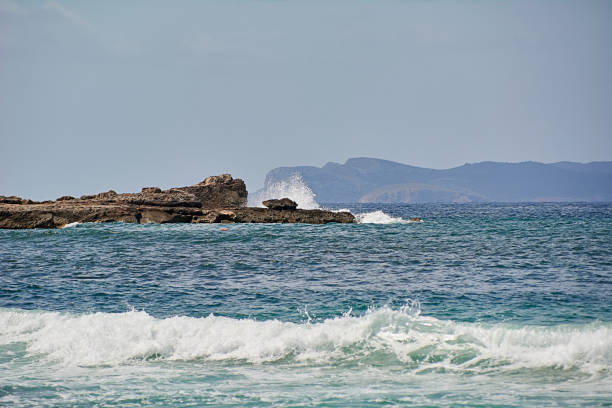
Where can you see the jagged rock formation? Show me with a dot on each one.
(12, 200)
(214, 192)
(218, 192)
(217, 199)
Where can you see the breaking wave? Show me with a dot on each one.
(296, 189)
(293, 188)
(378, 217)
(401, 336)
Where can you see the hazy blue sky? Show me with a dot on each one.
(124, 94)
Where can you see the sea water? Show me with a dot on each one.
(478, 305)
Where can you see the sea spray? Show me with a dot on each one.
(296, 189)
(292, 187)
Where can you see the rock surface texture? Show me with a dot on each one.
(282, 204)
(217, 199)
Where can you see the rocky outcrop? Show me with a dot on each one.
(59, 214)
(65, 198)
(214, 192)
(218, 192)
(282, 204)
(149, 190)
(218, 199)
(265, 215)
(10, 200)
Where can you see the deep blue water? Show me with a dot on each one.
(507, 304)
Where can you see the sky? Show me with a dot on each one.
(127, 94)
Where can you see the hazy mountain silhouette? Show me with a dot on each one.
(375, 180)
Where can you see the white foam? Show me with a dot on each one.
(378, 217)
(418, 341)
(293, 188)
(340, 210)
(72, 224)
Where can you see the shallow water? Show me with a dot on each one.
(479, 305)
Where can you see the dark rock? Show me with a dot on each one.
(221, 179)
(215, 216)
(110, 194)
(65, 198)
(10, 200)
(282, 204)
(162, 216)
(218, 199)
(168, 198)
(218, 192)
(214, 192)
(146, 190)
(266, 215)
(57, 214)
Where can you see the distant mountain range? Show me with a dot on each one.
(370, 180)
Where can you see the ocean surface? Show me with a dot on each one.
(506, 305)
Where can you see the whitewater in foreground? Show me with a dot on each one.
(402, 336)
(481, 305)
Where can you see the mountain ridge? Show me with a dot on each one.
(366, 179)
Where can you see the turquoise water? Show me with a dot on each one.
(479, 305)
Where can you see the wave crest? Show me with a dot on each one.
(419, 342)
